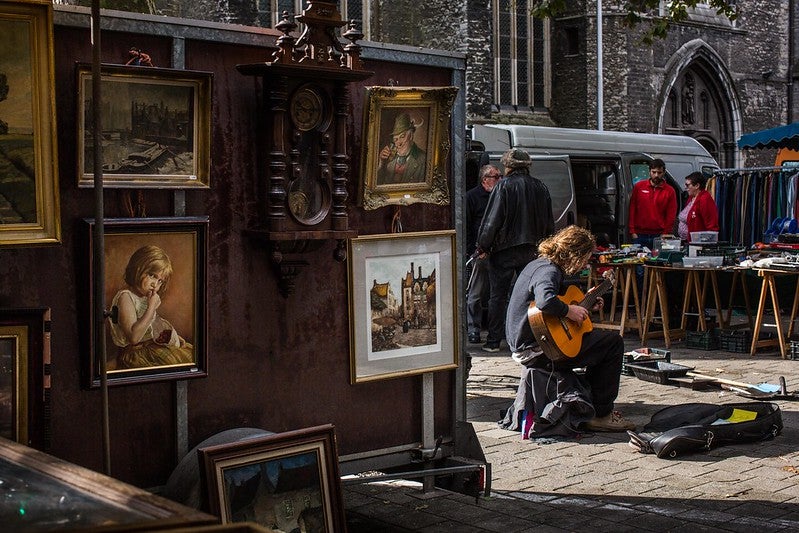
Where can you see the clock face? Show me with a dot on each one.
(307, 109)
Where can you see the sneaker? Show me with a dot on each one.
(474, 338)
(491, 346)
(612, 422)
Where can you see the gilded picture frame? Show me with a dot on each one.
(28, 143)
(25, 376)
(406, 145)
(156, 127)
(145, 258)
(403, 301)
(284, 481)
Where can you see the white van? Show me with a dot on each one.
(590, 174)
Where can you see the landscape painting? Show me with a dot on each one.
(284, 482)
(402, 302)
(155, 127)
(29, 211)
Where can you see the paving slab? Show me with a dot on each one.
(597, 482)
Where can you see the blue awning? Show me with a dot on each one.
(781, 137)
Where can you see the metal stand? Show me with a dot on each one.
(428, 430)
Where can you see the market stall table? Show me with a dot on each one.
(768, 288)
(695, 289)
(625, 286)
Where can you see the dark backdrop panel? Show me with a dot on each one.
(273, 363)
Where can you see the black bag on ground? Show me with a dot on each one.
(691, 427)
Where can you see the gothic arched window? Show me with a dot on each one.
(521, 56)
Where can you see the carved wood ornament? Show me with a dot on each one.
(303, 188)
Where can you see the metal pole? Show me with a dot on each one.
(179, 210)
(600, 89)
(98, 262)
(428, 427)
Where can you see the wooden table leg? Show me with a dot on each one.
(777, 322)
(728, 320)
(699, 293)
(746, 300)
(739, 275)
(637, 302)
(693, 292)
(794, 309)
(650, 308)
(629, 285)
(664, 309)
(614, 300)
(714, 284)
(769, 288)
(686, 300)
(761, 307)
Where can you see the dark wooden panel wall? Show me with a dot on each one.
(274, 363)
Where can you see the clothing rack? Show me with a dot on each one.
(745, 169)
(749, 199)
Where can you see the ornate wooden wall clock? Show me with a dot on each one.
(306, 95)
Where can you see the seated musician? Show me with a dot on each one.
(564, 254)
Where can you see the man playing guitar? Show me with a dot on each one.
(564, 254)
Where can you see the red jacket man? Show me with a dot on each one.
(653, 206)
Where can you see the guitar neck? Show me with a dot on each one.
(590, 297)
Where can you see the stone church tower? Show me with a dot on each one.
(709, 78)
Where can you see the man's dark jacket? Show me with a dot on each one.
(519, 211)
(476, 202)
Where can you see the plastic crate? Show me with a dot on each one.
(740, 340)
(641, 355)
(731, 255)
(705, 236)
(794, 351)
(702, 340)
(704, 261)
(658, 371)
(735, 340)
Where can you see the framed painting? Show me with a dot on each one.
(406, 145)
(25, 376)
(28, 154)
(403, 303)
(285, 481)
(44, 493)
(156, 127)
(155, 270)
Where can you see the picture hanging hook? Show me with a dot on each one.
(396, 220)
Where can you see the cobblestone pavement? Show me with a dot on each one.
(597, 482)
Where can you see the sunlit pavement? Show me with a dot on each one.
(598, 482)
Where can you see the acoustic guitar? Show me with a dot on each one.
(558, 337)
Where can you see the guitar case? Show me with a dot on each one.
(685, 428)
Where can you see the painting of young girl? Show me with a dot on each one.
(153, 300)
(144, 337)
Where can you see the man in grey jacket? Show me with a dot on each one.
(517, 217)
